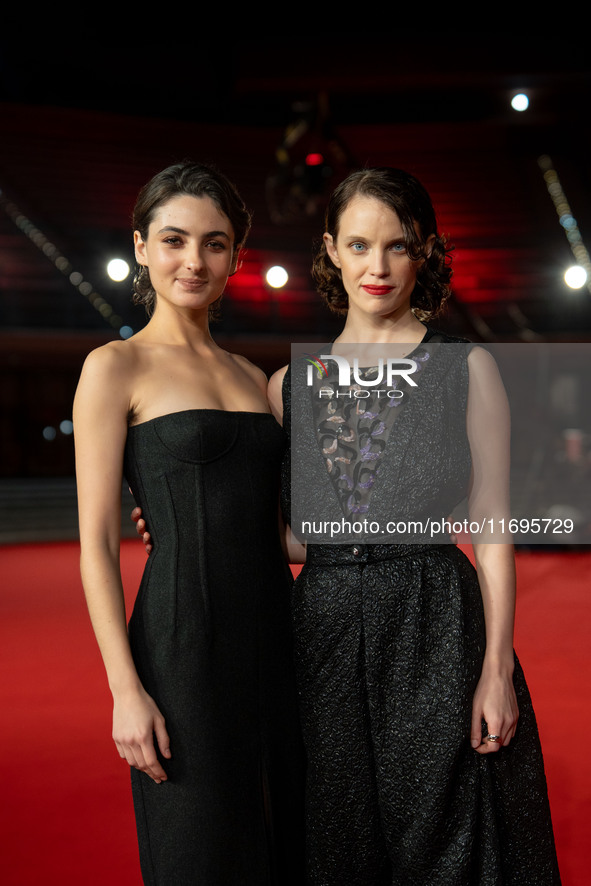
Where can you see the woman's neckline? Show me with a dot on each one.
(148, 421)
(429, 332)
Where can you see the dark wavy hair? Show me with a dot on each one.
(406, 196)
(194, 180)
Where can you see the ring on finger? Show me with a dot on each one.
(493, 738)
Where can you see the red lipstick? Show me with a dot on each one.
(378, 290)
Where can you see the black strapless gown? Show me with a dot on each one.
(211, 639)
(389, 643)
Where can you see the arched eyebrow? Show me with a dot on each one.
(174, 230)
(351, 238)
(218, 234)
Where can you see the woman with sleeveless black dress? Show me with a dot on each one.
(203, 686)
(424, 763)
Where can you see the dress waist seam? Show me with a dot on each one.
(358, 552)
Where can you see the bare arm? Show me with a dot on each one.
(488, 424)
(100, 423)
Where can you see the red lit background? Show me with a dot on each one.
(82, 127)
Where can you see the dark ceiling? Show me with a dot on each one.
(82, 131)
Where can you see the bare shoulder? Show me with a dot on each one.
(111, 359)
(481, 362)
(253, 372)
(275, 393)
(485, 378)
(107, 376)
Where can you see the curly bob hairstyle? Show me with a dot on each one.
(194, 180)
(406, 196)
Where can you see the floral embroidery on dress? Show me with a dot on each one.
(353, 425)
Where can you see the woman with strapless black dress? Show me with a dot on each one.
(203, 689)
(419, 772)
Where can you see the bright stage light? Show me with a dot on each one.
(575, 277)
(276, 277)
(520, 102)
(118, 269)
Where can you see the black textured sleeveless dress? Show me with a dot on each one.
(211, 639)
(389, 642)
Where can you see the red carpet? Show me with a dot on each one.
(66, 814)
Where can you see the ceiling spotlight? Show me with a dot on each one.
(520, 102)
(118, 269)
(575, 277)
(276, 277)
